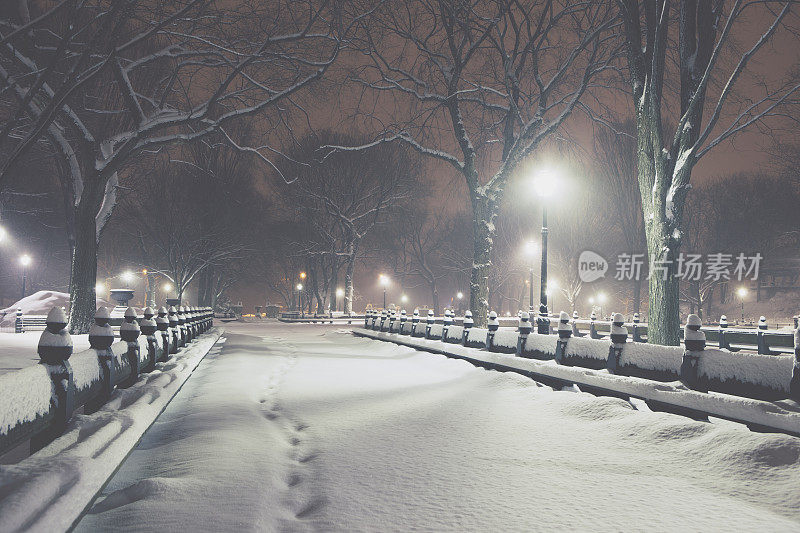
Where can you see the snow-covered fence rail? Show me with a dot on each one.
(702, 368)
(37, 402)
(761, 340)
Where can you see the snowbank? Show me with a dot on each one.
(40, 303)
(436, 331)
(746, 374)
(505, 340)
(476, 337)
(455, 334)
(540, 346)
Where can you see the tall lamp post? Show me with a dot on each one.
(24, 260)
(742, 292)
(384, 281)
(299, 300)
(530, 251)
(339, 294)
(545, 183)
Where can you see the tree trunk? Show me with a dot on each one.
(637, 296)
(482, 235)
(348, 278)
(435, 296)
(663, 317)
(83, 274)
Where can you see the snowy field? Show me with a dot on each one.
(306, 428)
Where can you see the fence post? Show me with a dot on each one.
(723, 325)
(414, 322)
(403, 320)
(564, 333)
(174, 341)
(524, 330)
(761, 342)
(619, 336)
(468, 323)
(101, 337)
(162, 323)
(129, 332)
(575, 331)
(637, 330)
(367, 314)
(392, 319)
(695, 342)
(493, 325)
(592, 326)
(19, 327)
(384, 316)
(447, 322)
(148, 327)
(794, 384)
(430, 321)
(182, 325)
(55, 348)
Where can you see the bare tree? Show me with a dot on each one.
(482, 85)
(142, 75)
(705, 39)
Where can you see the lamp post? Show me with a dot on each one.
(299, 300)
(530, 250)
(384, 281)
(339, 294)
(24, 260)
(459, 296)
(601, 299)
(545, 183)
(742, 292)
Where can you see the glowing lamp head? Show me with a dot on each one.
(601, 298)
(591, 300)
(545, 181)
(127, 276)
(742, 292)
(25, 260)
(404, 298)
(99, 288)
(460, 295)
(302, 275)
(299, 286)
(339, 292)
(167, 287)
(531, 248)
(383, 279)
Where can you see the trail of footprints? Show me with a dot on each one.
(300, 498)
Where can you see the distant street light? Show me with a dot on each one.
(531, 249)
(742, 292)
(601, 299)
(339, 294)
(127, 276)
(545, 183)
(24, 260)
(167, 287)
(3, 234)
(383, 279)
(99, 288)
(403, 298)
(299, 299)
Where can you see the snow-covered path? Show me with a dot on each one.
(306, 428)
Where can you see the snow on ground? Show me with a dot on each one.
(18, 350)
(306, 428)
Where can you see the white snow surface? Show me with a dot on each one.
(773, 371)
(590, 348)
(48, 490)
(506, 337)
(455, 332)
(652, 356)
(307, 428)
(436, 329)
(543, 343)
(477, 335)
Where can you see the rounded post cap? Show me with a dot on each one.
(148, 312)
(492, 315)
(575, 314)
(524, 316)
(162, 310)
(102, 313)
(593, 316)
(762, 318)
(416, 312)
(693, 320)
(468, 313)
(430, 312)
(57, 317)
(618, 318)
(130, 314)
(563, 317)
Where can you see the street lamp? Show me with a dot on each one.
(742, 292)
(299, 300)
(127, 276)
(339, 294)
(384, 280)
(24, 260)
(459, 296)
(601, 299)
(531, 248)
(403, 298)
(166, 287)
(545, 183)
(99, 288)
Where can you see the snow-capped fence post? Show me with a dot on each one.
(415, 323)
(619, 336)
(593, 326)
(392, 320)
(258, 311)
(367, 316)
(492, 325)
(575, 331)
(794, 384)
(174, 341)
(374, 318)
(384, 316)
(55, 348)
(468, 323)
(129, 332)
(543, 324)
(524, 330)
(182, 325)
(430, 321)
(149, 328)
(637, 329)
(760, 340)
(18, 324)
(723, 325)
(190, 332)
(564, 333)
(101, 337)
(162, 323)
(695, 342)
(403, 320)
(447, 322)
